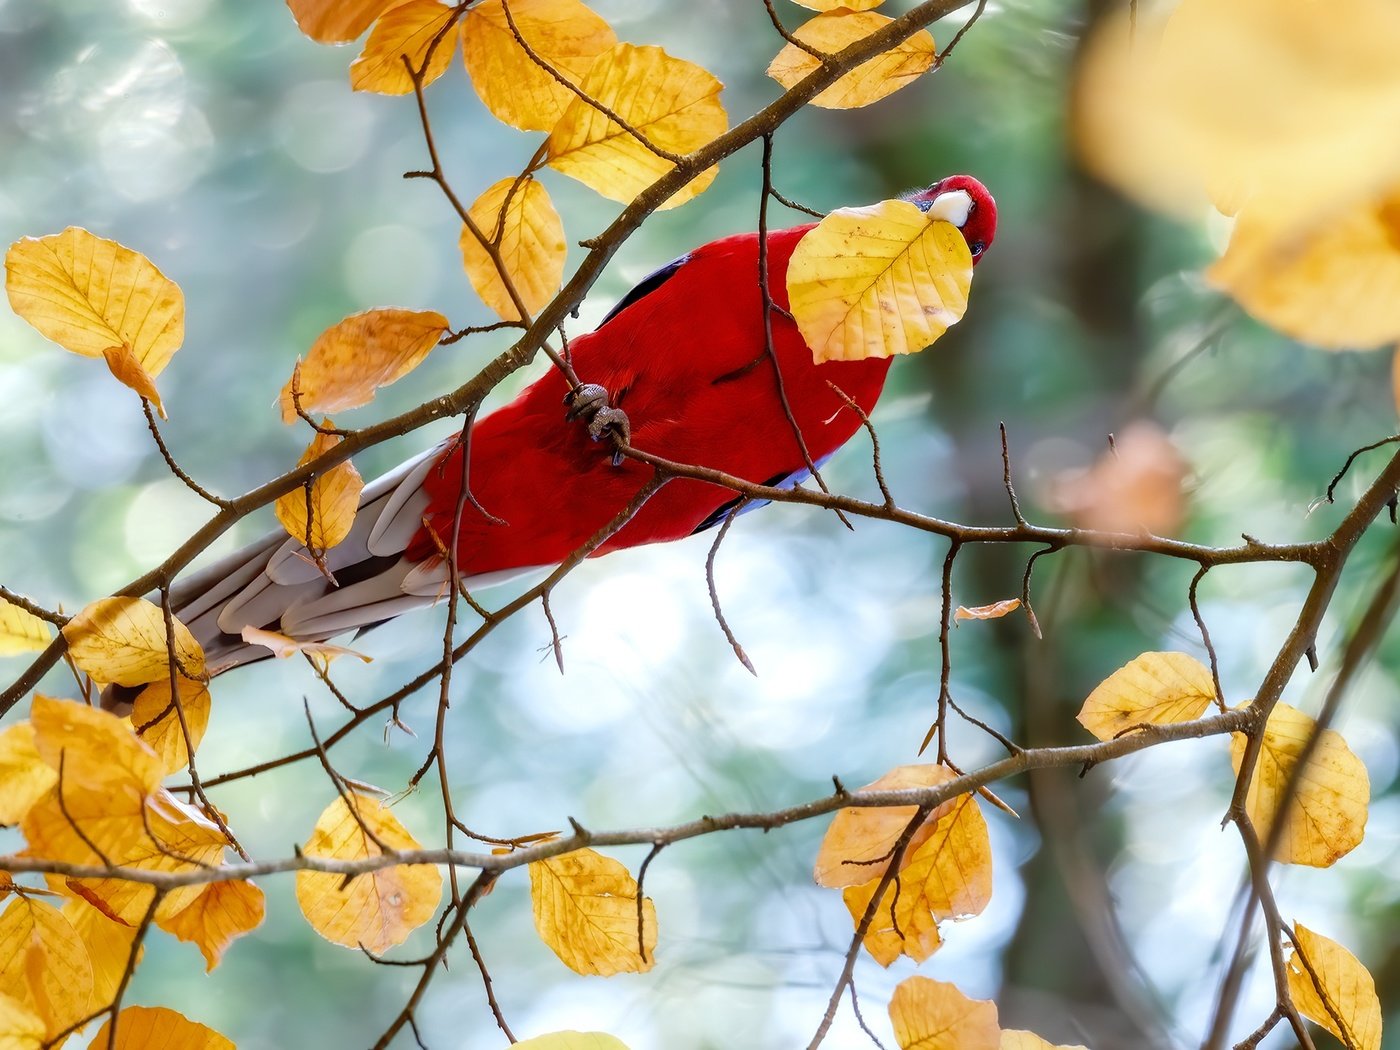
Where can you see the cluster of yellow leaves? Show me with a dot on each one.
(98, 298)
(85, 790)
(877, 281)
(1271, 109)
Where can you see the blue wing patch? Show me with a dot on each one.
(781, 481)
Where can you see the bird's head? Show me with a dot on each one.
(965, 202)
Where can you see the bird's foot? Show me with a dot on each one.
(589, 402)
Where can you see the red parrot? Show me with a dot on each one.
(679, 361)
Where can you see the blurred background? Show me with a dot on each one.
(227, 147)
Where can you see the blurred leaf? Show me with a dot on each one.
(157, 722)
(877, 281)
(572, 1041)
(1012, 1039)
(1151, 689)
(332, 503)
(24, 776)
(586, 911)
(376, 910)
(948, 877)
(995, 611)
(564, 33)
(44, 963)
(122, 641)
(674, 103)
(98, 298)
(1135, 487)
(835, 5)
(1326, 818)
(858, 844)
(1348, 990)
(156, 1028)
(20, 1027)
(21, 631)
(870, 81)
(932, 1015)
(108, 942)
(337, 21)
(98, 750)
(406, 30)
(531, 247)
(223, 912)
(353, 358)
(282, 647)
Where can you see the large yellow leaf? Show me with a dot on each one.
(157, 722)
(44, 963)
(572, 1041)
(870, 81)
(857, 846)
(1014, 1039)
(333, 500)
(24, 775)
(157, 1028)
(407, 30)
(223, 912)
(563, 33)
(531, 247)
(1335, 284)
(108, 944)
(337, 21)
(1326, 818)
(1347, 988)
(353, 358)
(91, 295)
(1151, 689)
(586, 910)
(122, 641)
(21, 631)
(1272, 101)
(933, 1015)
(20, 1027)
(878, 281)
(673, 103)
(377, 910)
(948, 877)
(97, 750)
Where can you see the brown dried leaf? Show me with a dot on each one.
(585, 908)
(995, 611)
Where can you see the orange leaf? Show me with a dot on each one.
(97, 750)
(157, 721)
(333, 500)
(932, 1015)
(406, 31)
(127, 370)
(44, 963)
(995, 611)
(108, 943)
(585, 908)
(834, 31)
(148, 1027)
(858, 844)
(337, 21)
(222, 913)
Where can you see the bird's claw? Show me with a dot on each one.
(589, 402)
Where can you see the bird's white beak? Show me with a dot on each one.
(953, 206)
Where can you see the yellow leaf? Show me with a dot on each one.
(20, 1027)
(282, 647)
(563, 33)
(406, 30)
(858, 844)
(870, 81)
(586, 911)
(337, 21)
(1276, 101)
(157, 833)
(995, 611)
(573, 1041)
(1134, 487)
(531, 247)
(948, 877)
(833, 5)
(334, 499)
(122, 363)
(122, 641)
(673, 103)
(89, 294)
(157, 721)
(222, 913)
(1326, 818)
(354, 357)
(1013, 1039)
(21, 631)
(1348, 992)
(1335, 284)
(148, 1027)
(97, 750)
(44, 963)
(377, 910)
(108, 943)
(1151, 689)
(24, 776)
(932, 1015)
(878, 281)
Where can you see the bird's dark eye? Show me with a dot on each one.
(978, 247)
